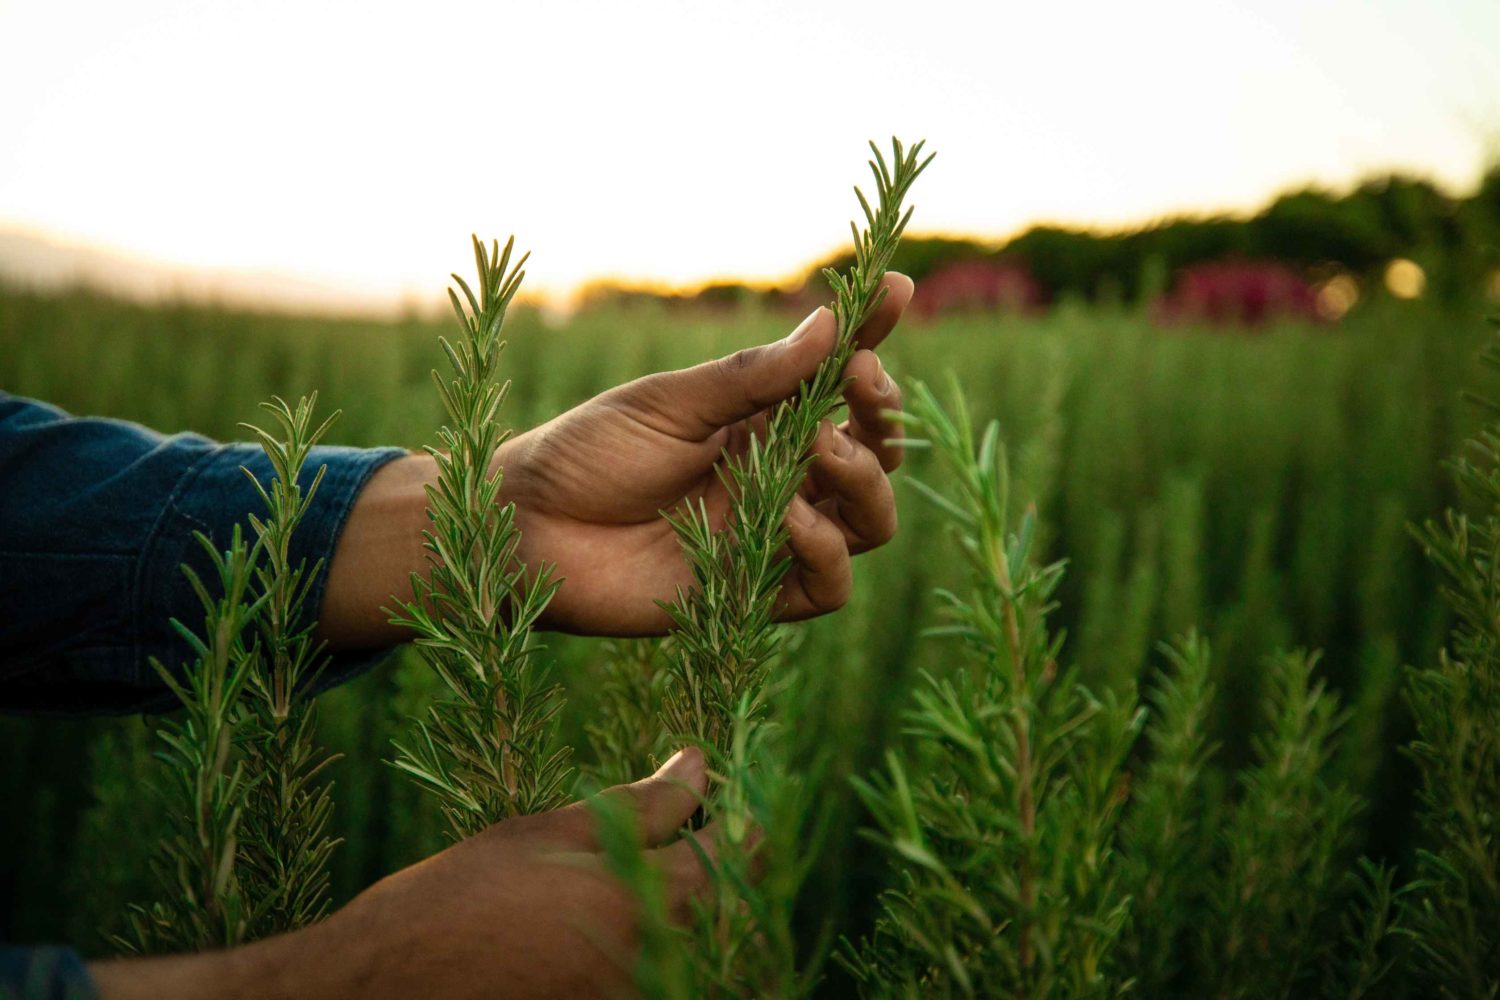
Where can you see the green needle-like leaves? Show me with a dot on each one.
(723, 627)
(487, 749)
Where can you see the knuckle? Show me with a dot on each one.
(836, 593)
(732, 371)
(737, 364)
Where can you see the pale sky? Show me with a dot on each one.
(359, 144)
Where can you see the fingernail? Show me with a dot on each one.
(801, 512)
(882, 380)
(804, 326)
(842, 446)
(681, 766)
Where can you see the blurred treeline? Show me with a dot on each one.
(1258, 488)
(1454, 238)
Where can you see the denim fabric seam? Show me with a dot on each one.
(150, 560)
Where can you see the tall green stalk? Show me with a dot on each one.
(487, 750)
(723, 626)
(768, 814)
(285, 848)
(1167, 837)
(1455, 702)
(203, 781)
(249, 855)
(1002, 811)
(1285, 841)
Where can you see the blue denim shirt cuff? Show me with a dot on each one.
(97, 519)
(212, 498)
(44, 974)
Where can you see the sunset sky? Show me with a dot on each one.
(360, 144)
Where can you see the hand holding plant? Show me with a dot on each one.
(523, 908)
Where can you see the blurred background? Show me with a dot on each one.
(1220, 269)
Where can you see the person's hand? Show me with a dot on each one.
(526, 908)
(590, 486)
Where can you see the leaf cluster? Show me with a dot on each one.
(203, 783)
(242, 784)
(723, 633)
(1455, 703)
(1002, 810)
(285, 847)
(487, 750)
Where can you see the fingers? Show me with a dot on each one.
(822, 578)
(871, 395)
(661, 803)
(688, 865)
(898, 292)
(848, 474)
(695, 403)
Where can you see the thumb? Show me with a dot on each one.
(667, 799)
(715, 394)
(660, 804)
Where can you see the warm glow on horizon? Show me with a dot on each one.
(359, 145)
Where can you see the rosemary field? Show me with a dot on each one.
(1245, 499)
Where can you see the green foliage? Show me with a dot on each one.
(624, 723)
(284, 846)
(203, 782)
(1456, 706)
(1371, 936)
(1283, 842)
(767, 816)
(742, 938)
(487, 750)
(1263, 480)
(241, 787)
(723, 635)
(1165, 840)
(1003, 812)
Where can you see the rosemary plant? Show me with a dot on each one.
(284, 843)
(723, 631)
(1455, 916)
(1002, 813)
(1285, 840)
(743, 938)
(1167, 837)
(487, 750)
(250, 855)
(624, 727)
(205, 784)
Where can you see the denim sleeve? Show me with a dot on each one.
(97, 518)
(44, 974)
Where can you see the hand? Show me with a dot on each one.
(525, 908)
(590, 485)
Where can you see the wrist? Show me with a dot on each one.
(277, 967)
(380, 547)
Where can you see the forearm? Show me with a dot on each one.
(303, 964)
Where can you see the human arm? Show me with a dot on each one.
(525, 908)
(97, 518)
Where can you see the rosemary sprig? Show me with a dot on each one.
(487, 750)
(204, 782)
(285, 849)
(723, 626)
